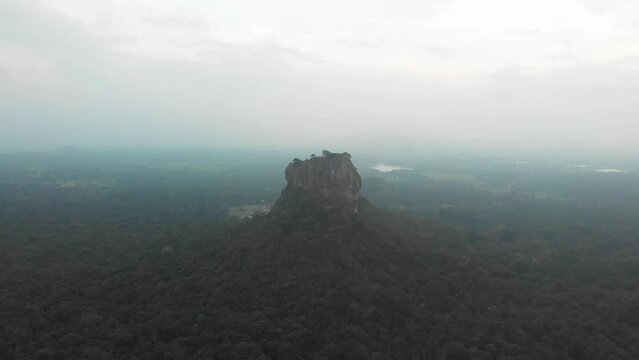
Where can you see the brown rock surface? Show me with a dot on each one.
(330, 181)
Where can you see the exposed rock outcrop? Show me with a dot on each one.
(328, 184)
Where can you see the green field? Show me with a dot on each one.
(247, 211)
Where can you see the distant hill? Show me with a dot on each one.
(68, 150)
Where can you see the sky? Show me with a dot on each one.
(95, 73)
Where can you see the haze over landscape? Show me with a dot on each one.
(319, 180)
(560, 73)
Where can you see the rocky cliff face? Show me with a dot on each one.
(327, 184)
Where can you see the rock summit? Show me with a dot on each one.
(327, 184)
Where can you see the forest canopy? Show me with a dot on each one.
(475, 259)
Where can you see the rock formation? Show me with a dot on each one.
(328, 184)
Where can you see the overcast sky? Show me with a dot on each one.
(235, 72)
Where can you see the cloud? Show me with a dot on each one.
(202, 73)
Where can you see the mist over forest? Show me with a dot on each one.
(319, 180)
(172, 254)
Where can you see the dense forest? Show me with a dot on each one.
(133, 255)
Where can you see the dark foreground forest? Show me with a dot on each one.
(130, 255)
